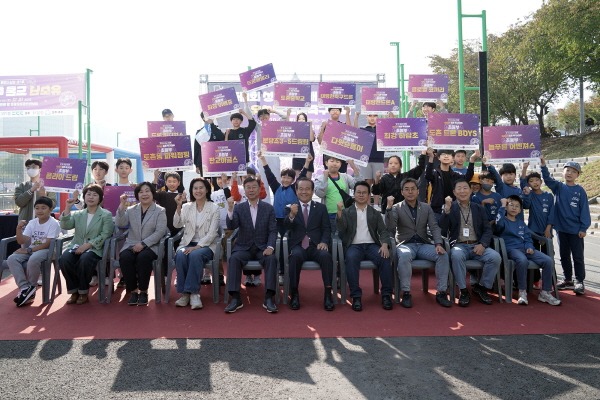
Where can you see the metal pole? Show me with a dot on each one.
(79, 144)
(402, 102)
(461, 71)
(88, 127)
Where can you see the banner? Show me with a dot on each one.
(63, 174)
(166, 128)
(512, 144)
(221, 102)
(346, 142)
(292, 95)
(453, 131)
(223, 157)
(167, 154)
(336, 94)
(33, 95)
(258, 78)
(112, 197)
(401, 134)
(284, 138)
(428, 87)
(379, 100)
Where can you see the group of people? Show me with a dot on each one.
(414, 214)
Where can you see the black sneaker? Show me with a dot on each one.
(442, 299)
(579, 288)
(121, 283)
(406, 301)
(482, 293)
(143, 299)
(565, 285)
(25, 295)
(133, 300)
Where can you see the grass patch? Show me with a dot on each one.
(590, 179)
(572, 147)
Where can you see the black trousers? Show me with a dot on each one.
(137, 268)
(298, 255)
(78, 270)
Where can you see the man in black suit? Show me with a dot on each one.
(256, 238)
(310, 239)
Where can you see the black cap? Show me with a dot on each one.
(166, 112)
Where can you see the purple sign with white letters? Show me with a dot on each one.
(223, 157)
(400, 134)
(63, 174)
(221, 102)
(166, 128)
(346, 142)
(336, 94)
(33, 95)
(292, 95)
(512, 143)
(258, 78)
(172, 153)
(428, 87)
(112, 197)
(453, 131)
(379, 100)
(287, 139)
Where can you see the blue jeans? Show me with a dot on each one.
(190, 267)
(422, 251)
(367, 251)
(490, 258)
(571, 244)
(521, 259)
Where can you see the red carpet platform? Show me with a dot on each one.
(577, 314)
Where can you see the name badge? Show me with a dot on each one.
(466, 232)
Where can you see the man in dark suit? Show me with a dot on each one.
(256, 238)
(466, 225)
(365, 237)
(309, 239)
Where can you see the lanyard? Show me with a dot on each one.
(466, 220)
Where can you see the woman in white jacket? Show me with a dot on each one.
(200, 219)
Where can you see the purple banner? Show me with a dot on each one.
(221, 102)
(346, 142)
(166, 128)
(336, 94)
(287, 139)
(223, 157)
(401, 134)
(32, 95)
(63, 174)
(512, 143)
(258, 78)
(428, 87)
(379, 100)
(172, 153)
(292, 95)
(453, 131)
(112, 197)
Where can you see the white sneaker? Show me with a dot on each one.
(183, 301)
(546, 297)
(94, 281)
(256, 280)
(39, 282)
(523, 298)
(196, 301)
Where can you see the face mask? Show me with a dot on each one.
(33, 172)
(486, 187)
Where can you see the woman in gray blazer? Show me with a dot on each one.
(200, 219)
(147, 223)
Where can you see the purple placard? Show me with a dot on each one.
(375, 100)
(166, 128)
(112, 197)
(258, 78)
(346, 142)
(428, 87)
(284, 138)
(221, 102)
(512, 143)
(292, 95)
(401, 134)
(223, 157)
(336, 94)
(453, 131)
(32, 95)
(63, 174)
(171, 153)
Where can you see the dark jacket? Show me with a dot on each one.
(450, 224)
(263, 235)
(389, 185)
(434, 176)
(377, 229)
(318, 227)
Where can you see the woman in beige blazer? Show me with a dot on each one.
(200, 219)
(147, 223)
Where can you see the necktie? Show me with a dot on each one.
(305, 241)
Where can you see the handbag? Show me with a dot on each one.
(346, 198)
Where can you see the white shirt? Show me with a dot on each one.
(39, 233)
(362, 228)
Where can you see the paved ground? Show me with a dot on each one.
(501, 367)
